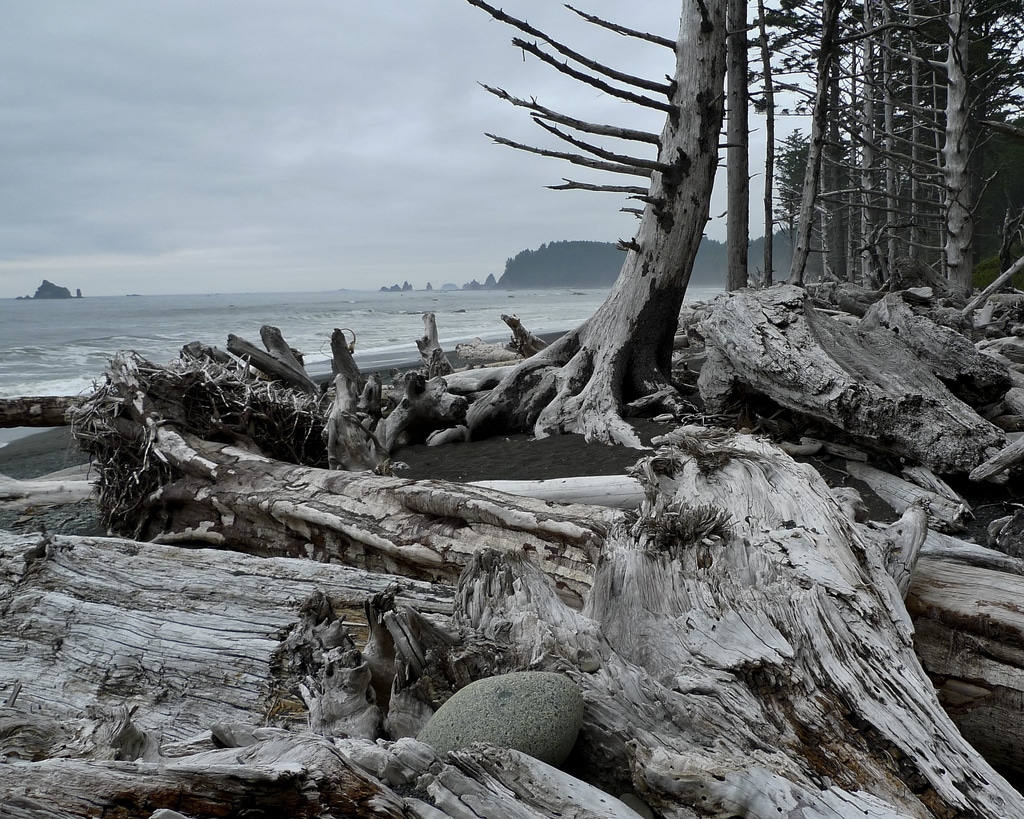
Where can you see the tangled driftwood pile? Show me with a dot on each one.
(745, 641)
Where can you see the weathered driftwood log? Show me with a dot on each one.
(969, 633)
(20, 494)
(523, 341)
(479, 351)
(189, 637)
(615, 491)
(865, 381)
(972, 377)
(944, 514)
(742, 649)
(36, 411)
(468, 382)
(425, 406)
(213, 402)
(283, 774)
(279, 361)
(435, 362)
(1010, 456)
(350, 444)
(342, 362)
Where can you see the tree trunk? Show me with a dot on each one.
(738, 151)
(956, 150)
(768, 275)
(435, 362)
(826, 55)
(580, 383)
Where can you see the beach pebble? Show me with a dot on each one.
(536, 712)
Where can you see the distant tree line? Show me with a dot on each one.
(597, 264)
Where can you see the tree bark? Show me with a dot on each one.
(958, 209)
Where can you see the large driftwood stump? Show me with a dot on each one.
(435, 362)
(865, 381)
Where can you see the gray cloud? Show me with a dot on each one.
(192, 146)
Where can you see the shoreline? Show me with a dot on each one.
(31, 452)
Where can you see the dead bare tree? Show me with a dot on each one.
(737, 237)
(623, 352)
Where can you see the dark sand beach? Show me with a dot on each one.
(511, 457)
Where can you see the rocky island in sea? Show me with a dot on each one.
(49, 290)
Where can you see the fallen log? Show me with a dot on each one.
(279, 361)
(974, 378)
(615, 491)
(189, 637)
(22, 494)
(944, 514)
(864, 381)
(1005, 459)
(479, 351)
(36, 411)
(969, 634)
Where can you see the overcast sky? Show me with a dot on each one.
(177, 146)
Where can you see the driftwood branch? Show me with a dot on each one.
(274, 363)
(1001, 280)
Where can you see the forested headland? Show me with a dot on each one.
(596, 264)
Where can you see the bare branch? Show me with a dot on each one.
(650, 164)
(575, 159)
(565, 51)
(571, 122)
(1005, 128)
(626, 32)
(571, 185)
(566, 69)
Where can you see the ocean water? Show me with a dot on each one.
(61, 347)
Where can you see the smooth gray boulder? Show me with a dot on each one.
(536, 712)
